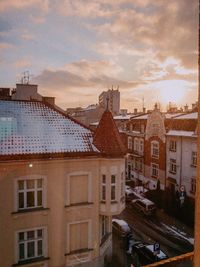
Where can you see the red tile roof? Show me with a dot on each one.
(107, 138)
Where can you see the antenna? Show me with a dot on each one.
(25, 77)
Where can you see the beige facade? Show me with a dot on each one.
(59, 210)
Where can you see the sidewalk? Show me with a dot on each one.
(169, 220)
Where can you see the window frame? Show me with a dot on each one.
(16, 192)
(173, 166)
(113, 188)
(35, 240)
(193, 185)
(152, 168)
(130, 143)
(194, 158)
(173, 145)
(103, 187)
(153, 149)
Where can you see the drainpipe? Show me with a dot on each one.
(181, 156)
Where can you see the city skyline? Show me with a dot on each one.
(76, 50)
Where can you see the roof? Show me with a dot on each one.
(172, 115)
(122, 117)
(35, 128)
(191, 116)
(140, 117)
(107, 138)
(181, 133)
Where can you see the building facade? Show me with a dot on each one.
(59, 187)
(113, 98)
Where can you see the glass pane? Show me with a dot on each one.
(112, 192)
(103, 179)
(39, 233)
(30, 184)
(21, 184)
(39, 198)
(30, 199)
(21, 236)
(39, 248)
(39, 183)
(112, 179)
(30, 249)
(21, 251)
(21, 200)
(30, 234)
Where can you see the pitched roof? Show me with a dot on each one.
(34, 128)
(107, 138)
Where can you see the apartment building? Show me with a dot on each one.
(181, 154)
(112, 98)
(60, 184)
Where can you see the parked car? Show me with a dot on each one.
(121, 228)
(145, 206)
(146, 254)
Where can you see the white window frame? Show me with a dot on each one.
(154, 166)
(155, 148)
(172, 166)
(130, 143)
(103, 187)
(104, 225)
(113, 187)
(44, 243)
(141, 146)
(194, 158)
(172, 145)
(17, 191)
(77, 173)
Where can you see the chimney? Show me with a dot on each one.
(186, 108)
(144, 110)
(135, 110)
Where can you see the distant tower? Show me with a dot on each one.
(114, 100)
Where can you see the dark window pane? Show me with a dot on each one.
(21, 236)
(39, 233)
(21, 200)
(21, 251)
(39, 198)
(30, 199)
(30, 184)
(112, 179)
(30, 249)
(103, 179)
(112, 192)
(39, 183)
(40, 247)
(30, 234)
(21, 184)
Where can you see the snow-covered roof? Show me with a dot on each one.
(140, 117)
(122, 117)
(122, 223)
(181, 133)
(172, 115)
(191, 116)
(30, 127)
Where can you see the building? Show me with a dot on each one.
(181, 154)
(112, 97)
(59, 187)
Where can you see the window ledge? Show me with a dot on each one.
(155, 157)
(78, 251)
(154, 177)
(114, 201)
(29, 210)
(103, 201)
(29, 261)
(193, 166)
(172, 150)
(172, 172)
(79, 204)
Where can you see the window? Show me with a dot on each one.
(172, 145)
(138, 164)
(136, 144)
(155, 149)
(141, 146)
(79, 190)
(30, 193)
(194, 158)
(154, 170)
(129, 142)
(113, 187)
(173, 166)
(104, 226)
(193, 185)
(103, 188)
(79, 236)
(30, 244)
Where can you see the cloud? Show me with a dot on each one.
(5, 46)
(22, 63)
(7, 5)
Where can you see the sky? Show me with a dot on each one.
(75, 49)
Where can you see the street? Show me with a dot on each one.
(173, 241)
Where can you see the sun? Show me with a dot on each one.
(172, 91)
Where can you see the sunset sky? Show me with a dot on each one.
(76, 49)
